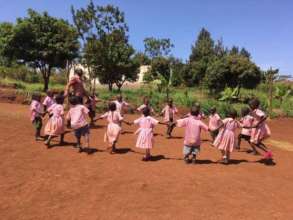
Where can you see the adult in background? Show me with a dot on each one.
(77, 85)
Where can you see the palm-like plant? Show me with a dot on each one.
(282, 93)
(230, 94)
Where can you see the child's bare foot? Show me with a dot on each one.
(187, 160)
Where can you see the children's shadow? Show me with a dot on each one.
(175, 137)
(90, 151)
(126, 132)
(65, 144)
(122, 150)
(205, 162)
(236, 162)
(97, 126)
(267, 162)
(158, 158)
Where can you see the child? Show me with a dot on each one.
(120, 104)
(48, 101)
(36, 114)
(260, 131)
(193, 128)
(114, 126)
(226, 140)
(55, 125)
(200, 116)
(146, 103)
(246, 121)
(91, 105)
(145, 137)
(214, 123)
(169, 113)
(77, 118)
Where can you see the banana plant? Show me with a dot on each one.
(230, 94)
(282, 93)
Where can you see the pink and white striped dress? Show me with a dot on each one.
(113, 129)
(262, 131)
(120, 106)
(35, 110)
(48, 101)
(226, 139)
(145, 139)
(55, 124)
(246, 121)
(214, 121)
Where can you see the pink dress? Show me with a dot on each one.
(193, 127)
(226, 139)
(78, 116)
(120, 106)
(262, 131)
(145, 137)
(214, 122)
(35, 110)
(55, 125)
(169, 113)
(113, 129)
(246, 121)
(48, 102)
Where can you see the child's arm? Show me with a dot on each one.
(261, 121)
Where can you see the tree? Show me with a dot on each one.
(157, 47)
(232, 71)
(43, 41)
(270, 76)
(202, 53)
(245, 53)
(6, 33)
(107, 52)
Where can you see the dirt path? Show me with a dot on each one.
(59, 183)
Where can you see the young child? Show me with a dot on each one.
(169, 113)
(226, 140)
(77, 118)
(193, 128)
(55, 125)
(36, 114)
(214, 123)
(146, 103)
(48, 101)
(145, 139)
(246, 121)
(120, 104)
(91, 104)
(114, 119)
(260, 130)
(200, 116)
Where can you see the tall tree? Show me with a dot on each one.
(203, 49)
(45, 42)
(157, 47)
(6, 33)
(107, 51)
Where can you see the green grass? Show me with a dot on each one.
(182, 97)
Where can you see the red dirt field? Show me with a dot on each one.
(60, 183)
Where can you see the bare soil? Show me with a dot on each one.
(60, 183)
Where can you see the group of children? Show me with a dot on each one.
(223, 132)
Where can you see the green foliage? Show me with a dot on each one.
(107, 52)
(282, 92)
(44, 42)
(6, 33)
(20, 73)
(229, 94)
(157, 47)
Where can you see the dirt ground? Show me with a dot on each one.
(60, 183)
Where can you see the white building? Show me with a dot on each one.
(142, 70)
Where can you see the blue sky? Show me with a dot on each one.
(264, 27)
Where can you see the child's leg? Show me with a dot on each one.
(171, 128)
(186, 153)
(47, 142)
(87, 140)
(62, 138)
(239, 141)
(254, 146)
(113, 150)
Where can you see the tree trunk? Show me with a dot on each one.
(46, 83)
(46, 76)
(270, 96)
(110, 87)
